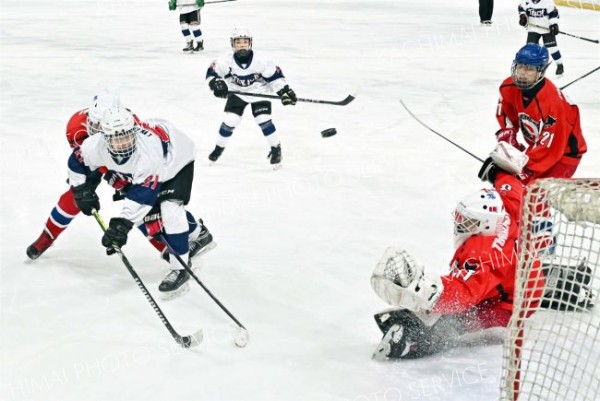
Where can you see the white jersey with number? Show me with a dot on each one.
(187, 6)
(542, 13)
(161, 152)
(257, 76)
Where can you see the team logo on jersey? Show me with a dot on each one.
(529, 127)
(536, 13)
(245, 80)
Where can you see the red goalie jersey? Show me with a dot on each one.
(550, 125)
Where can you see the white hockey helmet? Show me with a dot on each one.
(99, 104)
(479, 213)
(119, 132)
(240, 33)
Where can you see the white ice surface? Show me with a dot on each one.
(296, 246)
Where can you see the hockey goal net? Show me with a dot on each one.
(552, 350)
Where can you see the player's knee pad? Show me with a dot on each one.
(265, 123)
(232, 120)
(174, 217)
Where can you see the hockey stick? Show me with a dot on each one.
(581, 77)
(437, 133)
(185, 341)
(567, 34)
(344, 102)
(241, 338)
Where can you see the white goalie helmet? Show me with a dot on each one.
(99, 104)
(119, 132)
(240, 33)
(479, 213)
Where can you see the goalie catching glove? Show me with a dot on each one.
(400, 281)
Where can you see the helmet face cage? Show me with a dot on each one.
(241, 33)
(100, 103)
(93, 127)
(480, 213)
(529, 65)
(121, 143)
(119, 132)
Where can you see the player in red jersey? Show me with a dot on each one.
(430, 314)
(81, 125)
(549, 123)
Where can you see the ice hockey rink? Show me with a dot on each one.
(296, 247)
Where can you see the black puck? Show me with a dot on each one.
(328, 132)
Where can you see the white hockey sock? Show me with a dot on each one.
(273, 139)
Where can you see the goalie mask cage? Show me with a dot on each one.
(552, 351)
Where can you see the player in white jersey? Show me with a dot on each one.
(189, 19)
(159, 161)
(243, 71)
(540, 17)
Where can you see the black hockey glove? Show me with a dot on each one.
(219, 87)
(488, 171)
(287, 96)
(116, 234)
(522, 19)
(86, 198)
(172, 5)
(554, 29)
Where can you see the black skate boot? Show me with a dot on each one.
(174, 284)
(190, 47)
(560, 69)
(215, 154)
(203, 243)
(199, 46)
(275, 155)
(40, 245)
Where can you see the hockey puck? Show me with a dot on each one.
(328, 132)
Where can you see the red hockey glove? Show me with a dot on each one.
(509, 135)
(117, 180)
(153, 224)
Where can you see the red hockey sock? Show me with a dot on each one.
(62, 214)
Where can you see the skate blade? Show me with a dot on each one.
(277, 166)
(204, 250)
(169, 296)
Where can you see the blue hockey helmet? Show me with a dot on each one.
(529, 65)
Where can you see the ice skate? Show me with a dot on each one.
(216, 153)
(174, 285)
(199, 46)
(189, 48)
(275, 157)
(40, 245)
(203, 243)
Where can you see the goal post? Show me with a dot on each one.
(552, 348)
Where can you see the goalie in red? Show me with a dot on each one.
(431, 313)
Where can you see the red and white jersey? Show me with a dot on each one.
(549, 123)
(483, 267)
(257, 76)
(161, 152)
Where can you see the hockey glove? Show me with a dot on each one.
(86, 198)
(116, 234)
(287, 95)
(522, 19)
(116, 180)
(488, 171)
(509, 135)
(153, 224)
(172, 5)
(219, 87)
(200, 3)
(554, 29)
